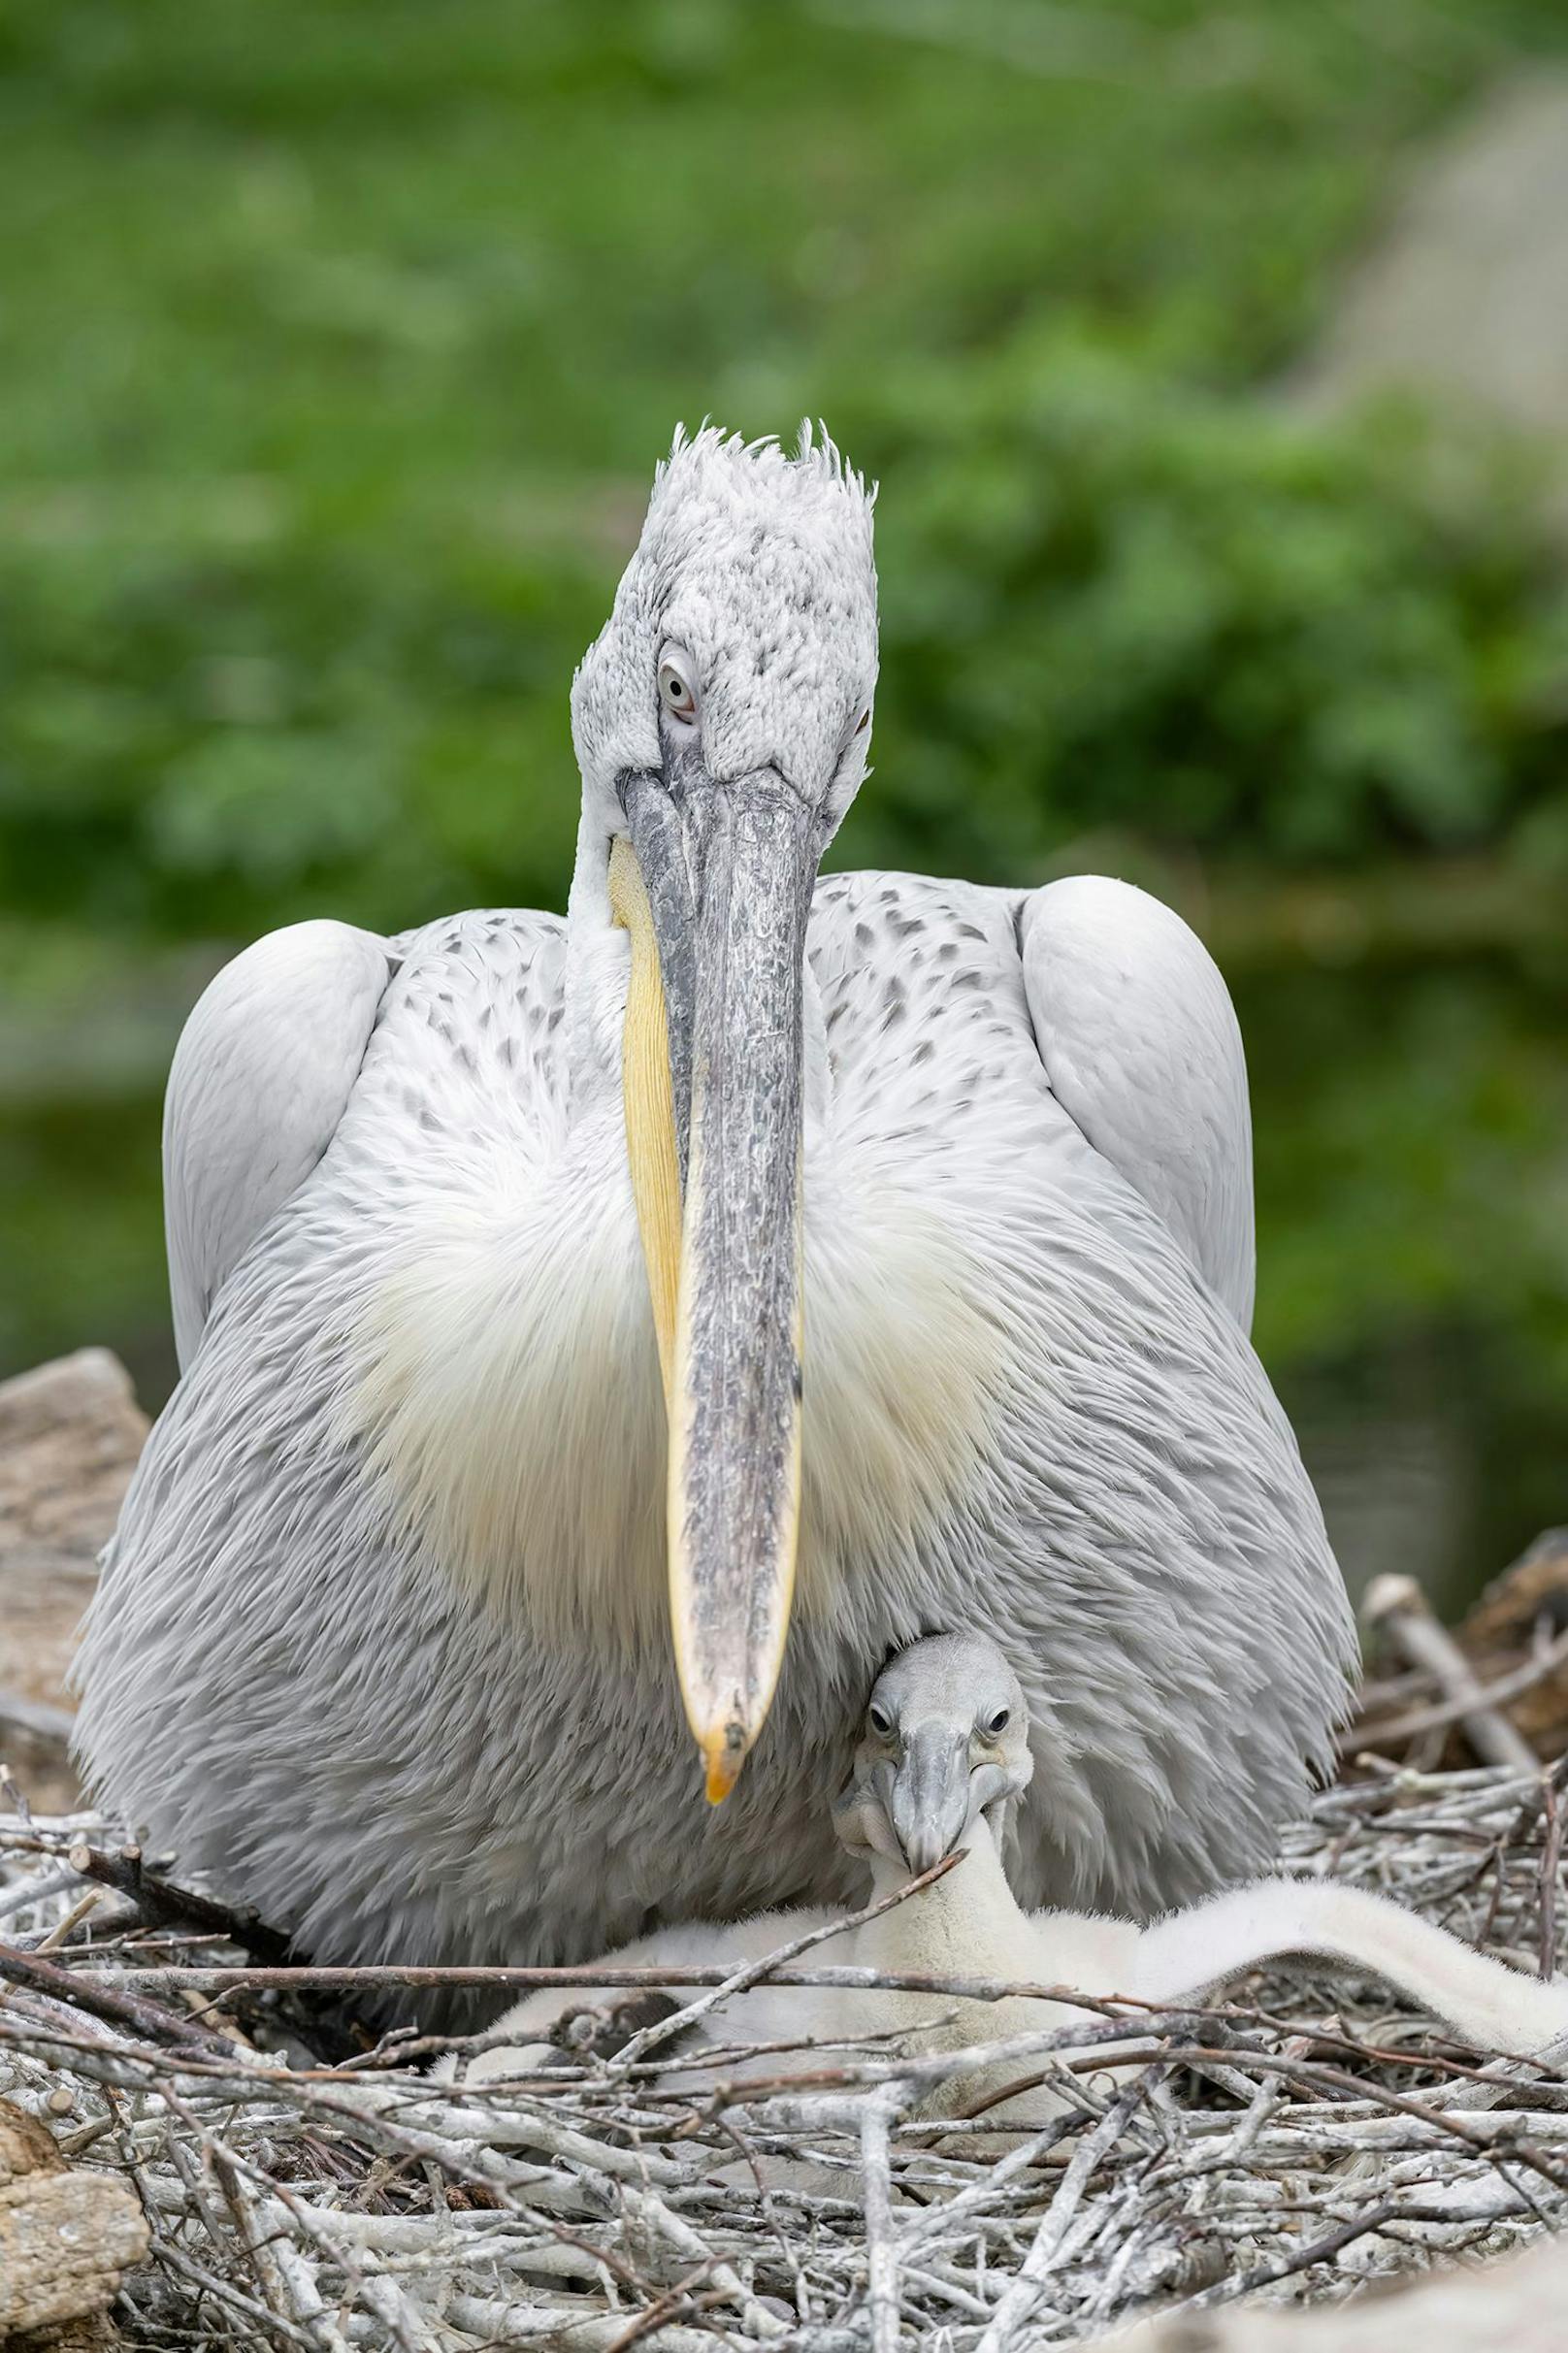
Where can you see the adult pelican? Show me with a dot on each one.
(886, 1240)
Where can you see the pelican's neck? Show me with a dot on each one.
(597, 969)
(597, 962)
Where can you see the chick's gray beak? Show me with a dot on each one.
(932, 1795)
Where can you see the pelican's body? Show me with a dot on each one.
(383, 1635)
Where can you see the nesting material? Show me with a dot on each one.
(1494, 1690)
(1307, 2136)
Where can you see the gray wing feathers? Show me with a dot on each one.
(1142, 1050)
(260, 1078)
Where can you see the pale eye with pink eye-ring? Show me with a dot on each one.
(676, 694)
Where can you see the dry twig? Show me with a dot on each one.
(1313, 2137)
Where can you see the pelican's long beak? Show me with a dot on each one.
(728, 873)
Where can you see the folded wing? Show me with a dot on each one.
(1142, 1050)
(261, 1075)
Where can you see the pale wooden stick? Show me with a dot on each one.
(1513, 1685)
(877, 2115)
(1397, 1608)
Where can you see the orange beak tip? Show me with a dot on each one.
(724, 1752)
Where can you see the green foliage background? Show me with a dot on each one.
(337, 344)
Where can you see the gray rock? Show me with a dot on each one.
(70, 1434)
(1464, 300)
(1516, 2304)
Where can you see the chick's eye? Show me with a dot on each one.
(998, 1724)
(675, 693)
(881, 1722)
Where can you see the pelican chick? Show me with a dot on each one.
(943, 1761)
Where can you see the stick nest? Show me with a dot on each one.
(1309, 2134)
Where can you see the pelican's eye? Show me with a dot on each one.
(676, 691)
(880, 1721)
(995, 1726)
